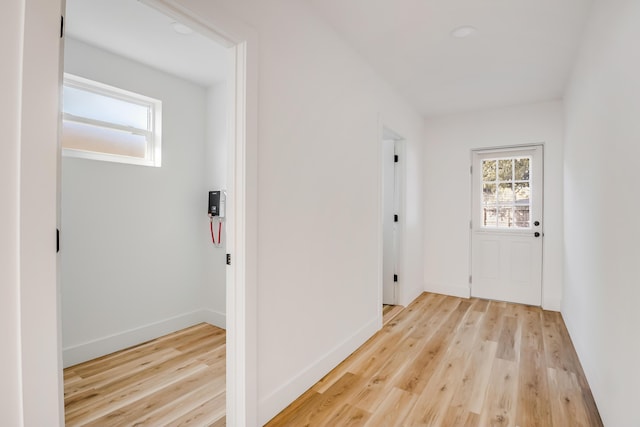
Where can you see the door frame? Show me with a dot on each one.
(386, 133)
(241, 288)
(40, 327)
(505, 148)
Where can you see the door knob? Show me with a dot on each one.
(536, 223)
(536, 234)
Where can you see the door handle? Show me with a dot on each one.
(536, 234)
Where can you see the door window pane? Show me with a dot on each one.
(505, 170)
(489, 217)
(489, 194)
(504, 217)
(506, 192)
(488, 170)
(521, 190)
(521, 217)
(521, 169)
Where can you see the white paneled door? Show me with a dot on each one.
(507, 224)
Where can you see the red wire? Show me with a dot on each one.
(220, 232)
(213, 238)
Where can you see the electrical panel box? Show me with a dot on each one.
(217, 203)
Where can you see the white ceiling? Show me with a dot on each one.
(136, 31)
(522, 53)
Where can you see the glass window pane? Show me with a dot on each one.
(85, 137)
(489, 194)
(489, 217)
(505, 193)
(521, 217)
(522, 193)
(521, 169)
(504, 217)
(96, 106)
(505, 170)
(488, 170)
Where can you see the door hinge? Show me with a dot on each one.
(61, 26)
(57, 240)
(395, 218)
(395, 278)
(469, 279)
(395, 158)
(228, 259)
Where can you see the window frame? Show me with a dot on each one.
(153, 133)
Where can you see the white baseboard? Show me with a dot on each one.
(278, 399)
(552, 304)
(454, 290)
(79, 353)
(215, 318)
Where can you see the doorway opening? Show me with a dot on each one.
(150, 267)
(391, 197)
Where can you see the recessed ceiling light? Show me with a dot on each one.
(181, 28)
(464, 31)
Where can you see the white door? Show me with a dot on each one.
(389, 246)
(507, 224)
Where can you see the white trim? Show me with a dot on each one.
(461, 291)
(242, 219)
(275, 402)
(79, 353)
(215, 318)
(552, 304)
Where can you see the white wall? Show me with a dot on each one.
(10, 391)
(602, 208)
(318, 177)
(133, 255)
(449, 141)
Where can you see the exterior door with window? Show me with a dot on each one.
(507, 224)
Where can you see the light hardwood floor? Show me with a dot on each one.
(389, 312)
(175, 380)
(446, 361)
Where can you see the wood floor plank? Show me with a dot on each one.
(152, 384)
(447, 361)
(416, 376)
(501, 397)
(433, 403)
(469, 397)
(205, 414)
(318, 406)
(189, 401)
(507, 340)
(492, 322)
(347, 416)
(393, 410)
(566, 399)
(533, 405)
(374, 351)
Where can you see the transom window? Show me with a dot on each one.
(506, 192)
(103, 122)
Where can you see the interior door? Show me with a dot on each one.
(388, 223)
(507, 225)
